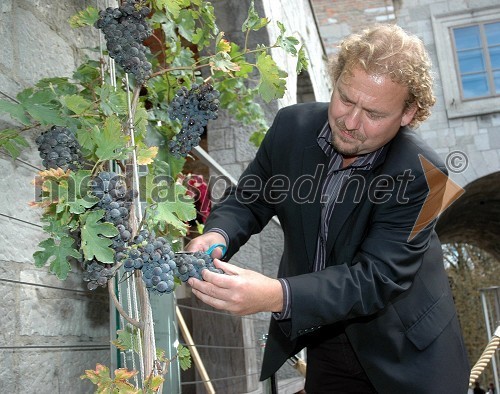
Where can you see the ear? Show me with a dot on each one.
(409, 114)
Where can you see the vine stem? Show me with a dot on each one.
(120, 309)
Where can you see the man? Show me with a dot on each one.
(361, 282)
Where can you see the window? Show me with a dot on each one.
(477, 51)
(468, 50)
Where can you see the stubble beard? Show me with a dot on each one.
(344, 145)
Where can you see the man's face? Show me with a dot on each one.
(366, 111)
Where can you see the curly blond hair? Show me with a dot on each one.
(387, 49)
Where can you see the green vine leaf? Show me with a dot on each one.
(184, 356)
(111, 143)
(286, 43)
(272, 82)
(186, 24)
(254, 21)
(76, 103)
(57, 252)
(175, 209)
(96, 237)
(16, 111)
(302, 62)
(128, 339)
(87, 72)
(86, 17)
(12, 142)
(112, 101)
(173, 6)
(208, 28)
(42, 105)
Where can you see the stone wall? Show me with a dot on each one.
(50, 331)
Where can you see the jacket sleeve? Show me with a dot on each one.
(383, 263)
(244, 209)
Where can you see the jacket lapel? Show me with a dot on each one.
(352, 193)
(314, 167)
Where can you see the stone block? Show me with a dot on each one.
(8, 371)
(37, 371)
(19, 240)
(482, 142)
(6, 30)
(53, 56)
(8, 307)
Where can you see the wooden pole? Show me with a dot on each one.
(194, 352)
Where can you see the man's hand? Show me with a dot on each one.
(239, 291)
(203, 242)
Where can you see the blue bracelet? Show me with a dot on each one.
(212, 248)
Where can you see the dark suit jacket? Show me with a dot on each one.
(391, 293)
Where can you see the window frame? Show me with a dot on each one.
(443, 26)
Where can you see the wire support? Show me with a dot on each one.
(220, 347)
(63, 347)
(22, 161)
(221, 313)
(9, 97)
(20, 282)
(219, 379)
(21, 220)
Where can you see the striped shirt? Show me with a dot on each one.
(336, 177)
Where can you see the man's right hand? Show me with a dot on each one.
(204, 241)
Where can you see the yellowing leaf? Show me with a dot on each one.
(99, 375)
(124, 374)
(54, 173)
(222, 61)
(86, 17)
(145, 156)
(221, 44)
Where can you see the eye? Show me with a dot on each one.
(374, 116)
(344, 100)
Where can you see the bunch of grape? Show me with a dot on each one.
(59, 148)
(124, 30)
(116, 201)
(193, 108)
(153, 256)
(96, 274)
(160, 265)
(190, 265)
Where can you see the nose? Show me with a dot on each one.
(352, 118)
